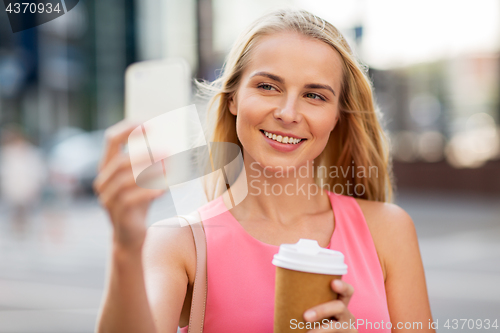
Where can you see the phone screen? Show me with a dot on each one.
(157, 95)
(155, 87)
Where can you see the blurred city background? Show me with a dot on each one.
(436, 72)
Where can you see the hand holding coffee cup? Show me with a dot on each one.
(335, 310)
(308, 282)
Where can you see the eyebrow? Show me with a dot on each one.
(282, 81)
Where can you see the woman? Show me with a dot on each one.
(293, 97)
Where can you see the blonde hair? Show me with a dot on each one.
(358, 140)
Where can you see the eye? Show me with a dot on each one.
(265, 86)
(315, 96)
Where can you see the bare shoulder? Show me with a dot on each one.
(169, 243)
(384, 214)
(391, 228)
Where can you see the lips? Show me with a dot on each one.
(280, 146)
(282, 137)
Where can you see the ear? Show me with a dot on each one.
(231, 103)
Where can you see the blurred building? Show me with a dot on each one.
(442, 119)
(69, 71)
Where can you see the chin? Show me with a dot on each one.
(278, 166)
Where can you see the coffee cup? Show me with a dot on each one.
(304, 272)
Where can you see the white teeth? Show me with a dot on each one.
(279, 138)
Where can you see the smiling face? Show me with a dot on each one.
(290, 89)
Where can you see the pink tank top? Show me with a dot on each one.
(240, 294)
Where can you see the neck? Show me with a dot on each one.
(280, 194)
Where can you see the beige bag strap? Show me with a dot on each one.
(197, 314)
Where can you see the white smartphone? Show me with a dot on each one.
(157, 95)
(156, 86)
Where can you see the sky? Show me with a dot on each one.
(396, 33)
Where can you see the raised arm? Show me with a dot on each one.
(169, 258)
(126, 305)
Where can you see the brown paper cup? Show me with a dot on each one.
(296, 292)
(304, 272)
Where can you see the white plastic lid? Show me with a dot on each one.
(307, 256)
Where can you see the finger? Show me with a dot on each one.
(127, 200)
(115, 137)
(116, 165)
(136, 197)
(332, 326)
(343, 289)
(325, 311)
(119, 183)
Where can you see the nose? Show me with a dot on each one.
(288, 113)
